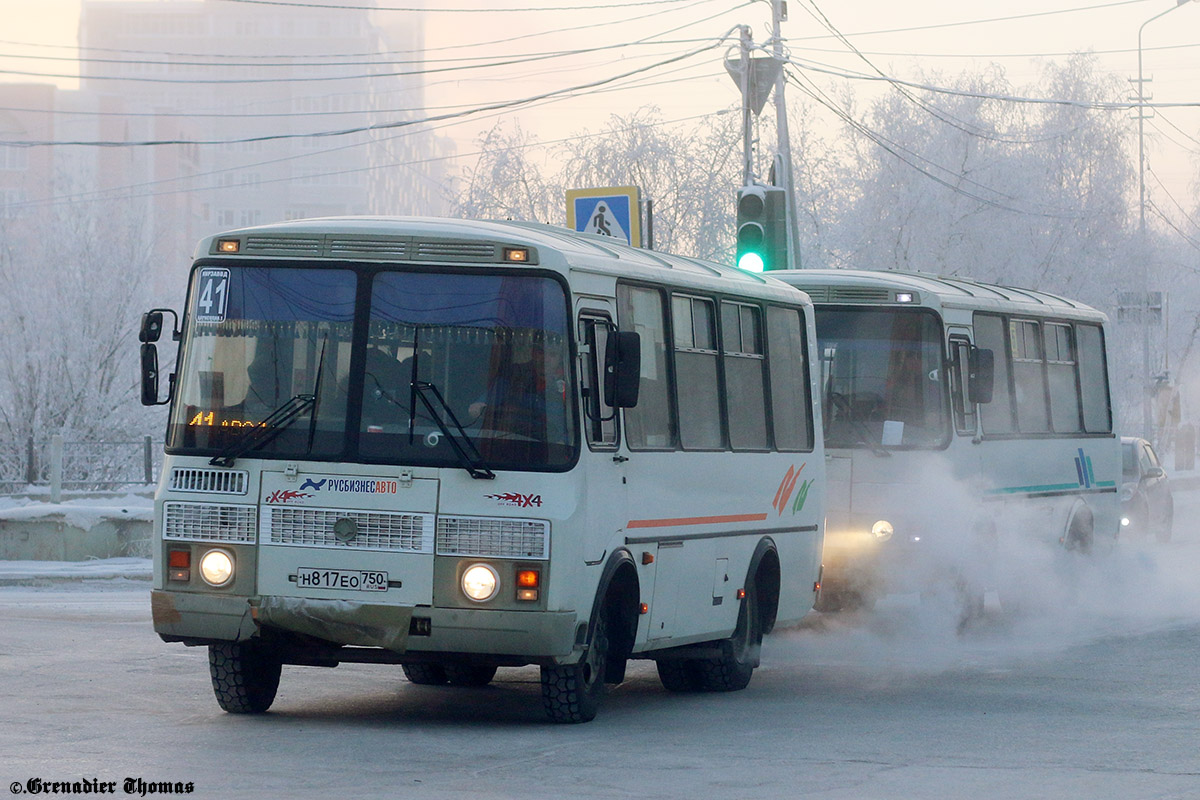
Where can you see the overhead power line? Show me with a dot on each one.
(504, 9)
(377, 126)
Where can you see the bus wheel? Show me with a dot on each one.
(425, 674)
(470, 674)
(572, 692)
(679, 674)
(245, 676)
(731, 671)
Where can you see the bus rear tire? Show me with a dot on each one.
(731, 671)
(425, 674)
(571, 693)
(245, 676)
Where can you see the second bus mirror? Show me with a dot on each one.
(622, 369)
(982, 366)
(150, 374)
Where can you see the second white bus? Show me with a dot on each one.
(956, 412)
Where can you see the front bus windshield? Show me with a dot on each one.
(477, 361)
(882, 378)
(257, 338)
(489, 353)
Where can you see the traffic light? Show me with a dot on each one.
(761, 235)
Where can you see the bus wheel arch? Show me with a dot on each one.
(765, 576)
(1079, 532)
(572, 692)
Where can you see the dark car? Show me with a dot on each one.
(1146, 504)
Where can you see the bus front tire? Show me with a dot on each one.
(571, 693)
(245, 676)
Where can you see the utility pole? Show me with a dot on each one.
(779, 14)
(747, 130)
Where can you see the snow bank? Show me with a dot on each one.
(135, 568)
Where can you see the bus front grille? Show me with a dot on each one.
(497, 537)
(315, 527)
(209, 522)
(211, 481)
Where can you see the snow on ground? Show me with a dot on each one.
(19, 571)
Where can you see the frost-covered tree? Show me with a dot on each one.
(505, 182)
(978, 185)
(73, 284)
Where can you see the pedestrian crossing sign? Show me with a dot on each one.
(606, 211)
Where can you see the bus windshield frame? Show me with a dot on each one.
(385, 363)
(883, 377)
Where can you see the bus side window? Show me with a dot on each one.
(648, 425)
(964, 410)
(599, 418)
(997, 416)
(791, 412)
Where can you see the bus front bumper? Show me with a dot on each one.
(198, 618)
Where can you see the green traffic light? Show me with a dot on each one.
(750, 262)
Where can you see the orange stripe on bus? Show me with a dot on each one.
(666, 523)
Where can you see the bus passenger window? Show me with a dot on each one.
(696, 391)
(997, 416)
(648, 424)
(743, 356)
(791, 420)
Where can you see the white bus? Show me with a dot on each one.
(457, 446)
(956, 412)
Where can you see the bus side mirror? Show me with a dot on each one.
(981, 366)
(622, 368)
(150, 374)
(152, 322)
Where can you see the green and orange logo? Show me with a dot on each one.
(788, 487)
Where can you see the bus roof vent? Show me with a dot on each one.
(283, 245)
(375, 246)
(858, 294)
(818, 294)
(449, 250)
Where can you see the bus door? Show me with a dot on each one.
(965, 455)
(604, 488)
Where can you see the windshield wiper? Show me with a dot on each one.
(312, 423)
(470, 462)
(264, 431)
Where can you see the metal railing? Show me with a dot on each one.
(79, 465)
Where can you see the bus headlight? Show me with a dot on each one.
(216, 567)
(883, 530)
(480, 582)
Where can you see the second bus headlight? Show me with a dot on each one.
(883, 530)
(480, 582)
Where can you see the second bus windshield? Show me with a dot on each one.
(882, 378)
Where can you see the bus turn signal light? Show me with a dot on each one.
(528, 581)
(179, 563)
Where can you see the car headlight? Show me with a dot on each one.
(216, 567)
(883, 530)
(480, 582)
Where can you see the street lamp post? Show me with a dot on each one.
(1147, 423)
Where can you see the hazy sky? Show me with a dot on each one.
(902, 39)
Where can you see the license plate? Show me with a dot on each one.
(352, 580)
